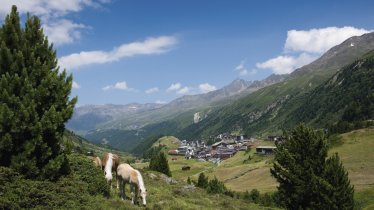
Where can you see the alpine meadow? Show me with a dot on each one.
(186, 105)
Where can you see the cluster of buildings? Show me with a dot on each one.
(225, 148)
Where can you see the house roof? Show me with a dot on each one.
(266, 147)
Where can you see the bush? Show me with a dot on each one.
(74, 191)
(254, 195)
(160, 163)
(216, 187)
(84, 170)
(202, 181)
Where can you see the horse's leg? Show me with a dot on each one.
(120, 190)
(132, 194)
(123, 190)
(117, 180)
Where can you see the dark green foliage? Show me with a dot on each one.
(34, 101)
(202, 181)
(254, 195)
(298, 167)
(341, 193)
(83, 170)
(306, 179)
(74, 191)
(345, 98)
(160, 163)
(216, 187)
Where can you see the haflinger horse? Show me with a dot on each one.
(127, 174)
(110, 163)
(96, 161)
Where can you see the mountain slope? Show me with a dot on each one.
(267, 110)
(348, 95)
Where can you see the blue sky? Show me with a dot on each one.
(155, 51)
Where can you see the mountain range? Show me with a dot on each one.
(255, 108)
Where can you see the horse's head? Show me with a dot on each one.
(143, 194)
(108, 175)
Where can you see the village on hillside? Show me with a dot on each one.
(227, 146)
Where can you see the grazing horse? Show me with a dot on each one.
(127, 174)
(110, 163)
(97, 161)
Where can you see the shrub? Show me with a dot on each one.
(202, 181)
(216, 187)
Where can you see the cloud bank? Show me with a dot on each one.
(206, 87)
(118, 86)
(53, 14)
(152, 90)
(304, 46)
(153, 45)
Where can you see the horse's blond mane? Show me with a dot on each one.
(108, 167)
(140, 181)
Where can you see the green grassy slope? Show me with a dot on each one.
(357, 154)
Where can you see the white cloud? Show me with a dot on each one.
(174, 87)
(53, 14)
(243, 71)
(152, 90)
(183, 90)
(117, 86)
(63, 32)
(149, 46)
(302, 47)
(206, 87)
(160, 102)
(285, 64)
(76, 85)
(321, 39)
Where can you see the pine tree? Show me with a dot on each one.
(189, 180)
(202, 181)
(254, 195)
(160, 163)
(35, 100)
(299, 166)
(341, 192)
(306, 179)
(215, 186)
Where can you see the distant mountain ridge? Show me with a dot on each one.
(134, 116)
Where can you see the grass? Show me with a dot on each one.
(357, 156)
(365, 198)
(170, 142)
